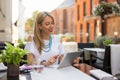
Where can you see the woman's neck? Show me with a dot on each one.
(46, 37)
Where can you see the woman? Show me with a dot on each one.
(44, 48)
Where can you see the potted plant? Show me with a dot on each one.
(12, 57)
(107, 42)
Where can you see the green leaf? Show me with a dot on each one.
(12, 54)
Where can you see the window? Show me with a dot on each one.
(91, 6)
(78, 10)
(88, 32)
(72, 21)
(65, 21)
(95, 26)
(84, 8)
(100, 1)
(118, 1)
(75, 0)
(81, 32)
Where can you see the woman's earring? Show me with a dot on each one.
(40, 30)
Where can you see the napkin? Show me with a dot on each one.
(2, 67)
(101, 75)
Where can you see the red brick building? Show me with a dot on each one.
(64, 20)
(77, 20)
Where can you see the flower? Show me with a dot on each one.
(106, 9)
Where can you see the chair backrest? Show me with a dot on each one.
(82, 46)
(107, 60)
(85, 45)
(70, 46)
(115, 58)
(3, 45)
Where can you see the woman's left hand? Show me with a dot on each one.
(76, 62)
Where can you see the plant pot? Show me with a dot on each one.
(12, 72)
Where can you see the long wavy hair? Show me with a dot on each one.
(38, 38)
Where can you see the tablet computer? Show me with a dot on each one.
(68, 59)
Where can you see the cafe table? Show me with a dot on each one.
(27, 76)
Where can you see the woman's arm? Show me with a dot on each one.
(30, 58)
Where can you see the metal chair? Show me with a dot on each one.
(105, 63)
(81, 46)
(2, 46)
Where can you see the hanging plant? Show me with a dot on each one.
(106, 9)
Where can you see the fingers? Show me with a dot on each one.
(48, 63)
(52, 60)
(56, 56)
(76, 60)
(76, 65)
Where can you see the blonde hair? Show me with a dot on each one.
(37, 32)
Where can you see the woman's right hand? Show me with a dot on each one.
(51, 60)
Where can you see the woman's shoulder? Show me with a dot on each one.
(56, 38)
(30, 43)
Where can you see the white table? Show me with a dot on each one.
(67, 73)
(51, 73)
(100, 52)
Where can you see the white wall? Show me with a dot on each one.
(21, 21)
(5, 21)
(15, 7)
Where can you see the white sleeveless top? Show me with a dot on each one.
(56, 48)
